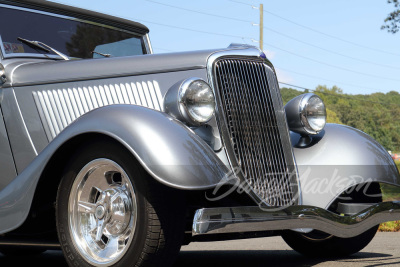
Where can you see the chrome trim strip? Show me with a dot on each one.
(23, 124)
(2, 52)
(48, 245)
(148, 44)
(253, 219)
(11, 81)
(3, 77)
(33, 55)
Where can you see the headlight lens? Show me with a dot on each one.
(306, 114)
(197, 100)
(191, 101)
(313, 114)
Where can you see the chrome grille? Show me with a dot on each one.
(256, 127)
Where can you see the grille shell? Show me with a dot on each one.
(254, 128)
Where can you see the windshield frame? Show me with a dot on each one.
(144, 38)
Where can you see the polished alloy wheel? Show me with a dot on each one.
(102, 212)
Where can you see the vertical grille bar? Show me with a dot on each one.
(256, 128)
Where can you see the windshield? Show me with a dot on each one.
(74, 38)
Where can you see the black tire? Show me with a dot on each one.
(320, 244)
(159, 230)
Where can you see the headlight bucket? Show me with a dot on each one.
(191, 101)
(306, 114)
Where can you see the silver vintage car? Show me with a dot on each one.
(119, 156)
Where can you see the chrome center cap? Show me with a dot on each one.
(120, 213)
(100, 212)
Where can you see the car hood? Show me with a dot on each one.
(23, 73)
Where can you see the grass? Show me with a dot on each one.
(390, 193)
(390, 227)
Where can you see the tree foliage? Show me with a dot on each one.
(392, 21)
(376, 114)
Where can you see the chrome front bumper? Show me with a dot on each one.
(255, 219)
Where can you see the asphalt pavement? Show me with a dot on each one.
(384, 250)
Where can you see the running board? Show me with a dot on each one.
(48, 245)
(254, 219)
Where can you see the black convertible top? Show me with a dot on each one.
(79, 13)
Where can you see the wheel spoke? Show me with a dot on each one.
(86, 207)
(110, 248)
(100, 229)
(99, 180)
(114, 197)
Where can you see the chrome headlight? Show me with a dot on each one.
(192, 101)
(306, 114)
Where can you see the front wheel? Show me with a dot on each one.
(320, 244)
(110, 212)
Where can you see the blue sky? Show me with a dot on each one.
(310, 42)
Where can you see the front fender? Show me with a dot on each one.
(171, 153)
(338, 158)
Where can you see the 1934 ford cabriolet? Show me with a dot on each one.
(120, 156)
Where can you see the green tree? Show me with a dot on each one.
(289, 93)
(332, 117)
(392, 21)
